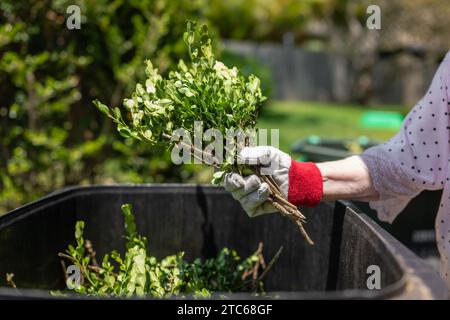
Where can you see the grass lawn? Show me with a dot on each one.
(297, 120)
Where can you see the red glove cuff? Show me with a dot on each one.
(305, 184)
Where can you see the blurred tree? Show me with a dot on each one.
(346, 30)
(262, 20)
(51, 135)
(416, 24)
(417, 27)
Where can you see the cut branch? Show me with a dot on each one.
(276, 198)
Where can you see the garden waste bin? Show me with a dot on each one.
(200, 220)
(317, 149)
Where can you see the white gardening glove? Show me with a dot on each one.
(250, 191)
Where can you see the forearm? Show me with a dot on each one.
(347, 179)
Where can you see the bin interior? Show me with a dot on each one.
(198, 220)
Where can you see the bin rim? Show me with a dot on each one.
(418, 274)
(64, 193)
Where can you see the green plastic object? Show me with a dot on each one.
(314, 139)
(381, 120)
(363, 141)
(301, 158)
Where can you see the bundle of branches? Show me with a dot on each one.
(206, 91)
(139, 273)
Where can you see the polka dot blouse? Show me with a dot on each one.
(417, 158)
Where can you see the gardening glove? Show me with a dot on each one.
(299, 182)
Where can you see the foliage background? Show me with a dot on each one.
(51, 136)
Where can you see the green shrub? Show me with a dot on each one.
(249, 65)
(51, 134)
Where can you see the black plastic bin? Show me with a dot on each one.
(317, 149)
(200, 220)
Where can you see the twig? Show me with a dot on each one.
(270, 178)
(63, 266)
(66, 256)
(10, 281)
(283, 206)
(262, 261)
(259, 250)
(277, 192)
(245, 274)
(258, 263)
(304, 233)
(92, 268)
(258, 254)
(255, 273)
(90, 251)
(215, 165)
(269, 266)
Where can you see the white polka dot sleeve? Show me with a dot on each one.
(416, 159)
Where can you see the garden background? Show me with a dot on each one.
(321, 67)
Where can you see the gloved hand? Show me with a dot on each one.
(299, 182)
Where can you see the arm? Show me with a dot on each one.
(302, 183)
(347, 179)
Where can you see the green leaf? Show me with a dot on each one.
(218, 177)
(117, 113)
(100, 106)
(79, 230)
(124, 131)
(130, 226)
